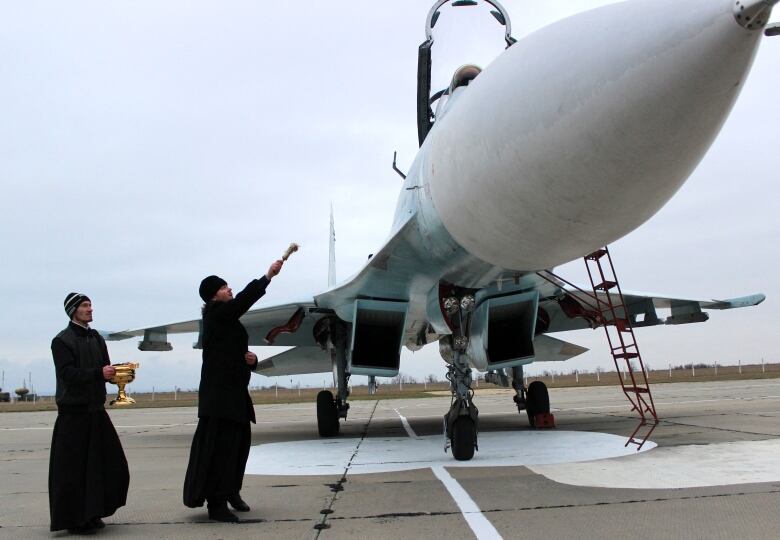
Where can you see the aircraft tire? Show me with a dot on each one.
(327, 414)
(463, 437)
(537, 401)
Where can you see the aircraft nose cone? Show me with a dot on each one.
(582, 131)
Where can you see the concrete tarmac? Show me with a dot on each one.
(714, 473)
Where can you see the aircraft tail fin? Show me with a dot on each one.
(332, 252)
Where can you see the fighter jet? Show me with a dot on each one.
(570, 139)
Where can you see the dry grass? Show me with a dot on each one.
(419, 390)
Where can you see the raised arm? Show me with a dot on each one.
(244, 300)
(235, 308)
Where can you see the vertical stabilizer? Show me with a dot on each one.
(332, 252)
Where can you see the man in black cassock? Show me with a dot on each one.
(220, 447)
(88, 474)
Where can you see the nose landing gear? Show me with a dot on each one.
(461, 420)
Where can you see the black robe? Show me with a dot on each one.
(220, 446)
(88, 474)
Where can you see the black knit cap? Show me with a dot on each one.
(209, 287)
(73, 301)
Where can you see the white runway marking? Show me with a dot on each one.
(479, 524)
(389, 454)
(719, 464)
(405, 422)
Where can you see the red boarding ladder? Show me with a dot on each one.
(622, 343)
(603, 311)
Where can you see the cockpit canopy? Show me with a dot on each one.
(463, 76)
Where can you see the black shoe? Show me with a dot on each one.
(238, 503)
(97, 523)
(221, 513)
(85, 529)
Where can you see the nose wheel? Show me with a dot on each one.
(463, 438)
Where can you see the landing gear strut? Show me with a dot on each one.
(461, 420)
(331, 409)
(517, 383)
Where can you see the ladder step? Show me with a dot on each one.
(621, 324)
(606, 307)
(607, 285)
(596, 255)
(626, 355)
(637, 389)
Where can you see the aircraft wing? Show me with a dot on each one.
(289, 324)
(296, 361)
(643, 309)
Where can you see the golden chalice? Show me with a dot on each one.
(125, 374)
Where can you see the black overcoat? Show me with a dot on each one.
(88, 474)
(224, 375)
(79, 356)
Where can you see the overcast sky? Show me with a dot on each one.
(146, 144)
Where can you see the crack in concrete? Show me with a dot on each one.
(394, 515)
(339, 486)
(558, 506)
(400, 515)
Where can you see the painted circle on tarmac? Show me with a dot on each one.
(388, 454)
(567, 457)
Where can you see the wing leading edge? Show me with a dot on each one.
(258, 322)
(644, 309)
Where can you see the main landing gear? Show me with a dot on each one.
(537, 405)
(327, 414)
(534, 401)
(330, 408)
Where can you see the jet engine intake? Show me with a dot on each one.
(377, 337)
(502, 331)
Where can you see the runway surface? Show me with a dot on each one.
(712, 471)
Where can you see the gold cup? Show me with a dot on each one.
(125, 374)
